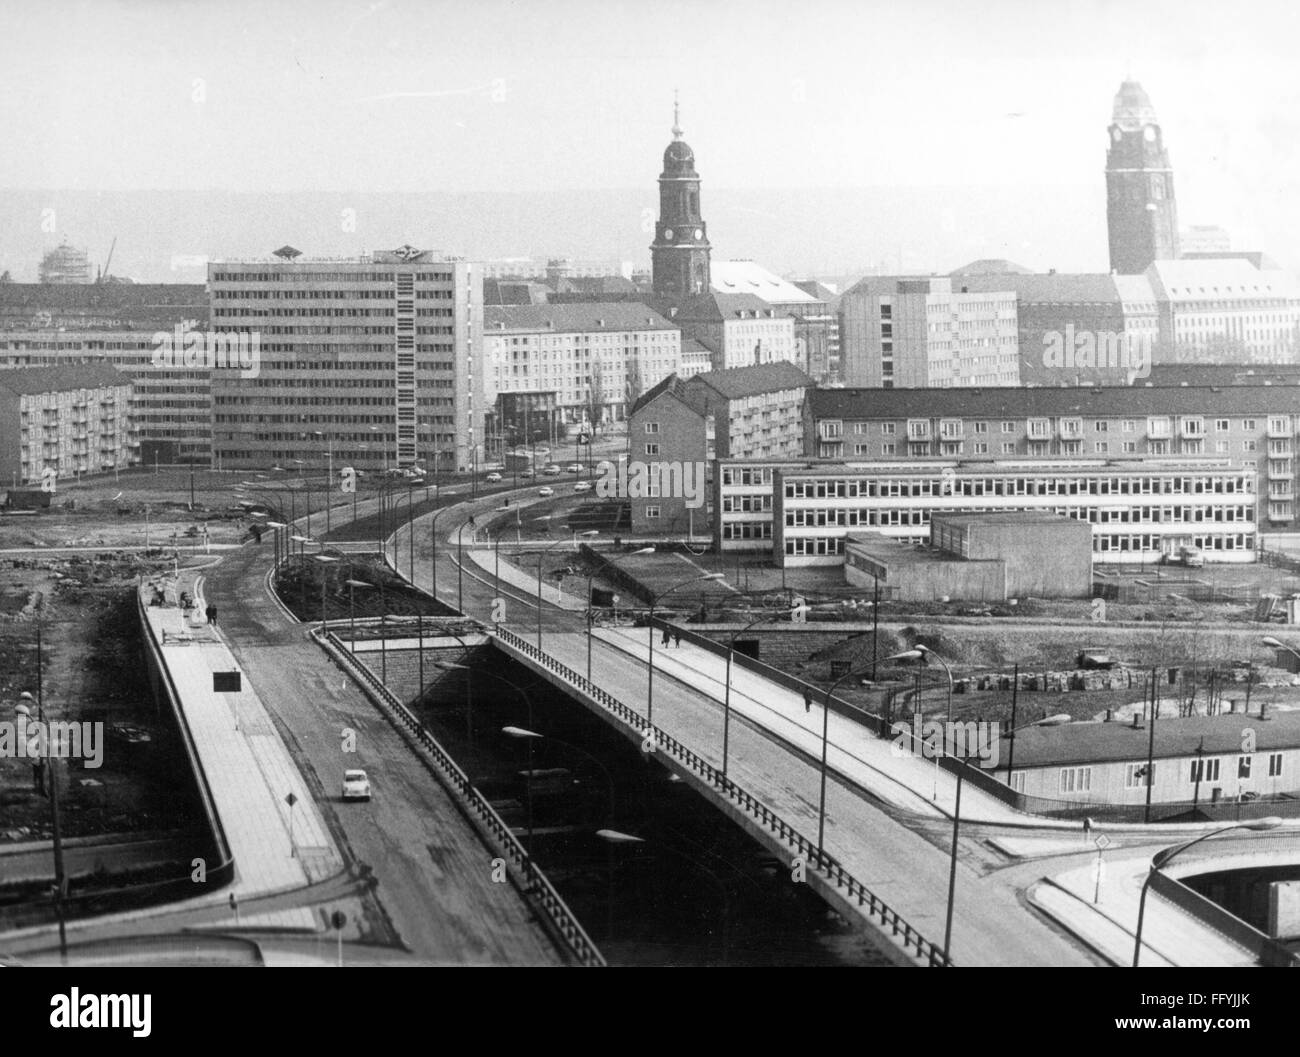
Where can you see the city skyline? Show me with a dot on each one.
(483, 110)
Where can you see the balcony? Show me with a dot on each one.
(1279, 470)
(918, 429)
(1191, 427)
(1278, 430)
(1070, 428)
(1159, 429)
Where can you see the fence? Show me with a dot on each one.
(536, 884)
(910, 938)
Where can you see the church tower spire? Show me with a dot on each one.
(679, 255)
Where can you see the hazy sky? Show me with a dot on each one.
(400, 95)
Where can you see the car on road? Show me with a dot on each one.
(582, 486)
(573, 467)
(493, 478)
(356, 785)
(552, 471)
(525, 474)
(546, 493)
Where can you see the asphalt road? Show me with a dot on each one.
(433, 872)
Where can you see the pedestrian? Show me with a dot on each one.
(211, 613)
(667, 636)
(807, 699)
(677, 638)
(1087, 826)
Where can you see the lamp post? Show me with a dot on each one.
(520, 732)
(460, 563)
(655, 600)
(433, 540)
(590, 577)
(324, 560)
(352, 614)
(726, 704)
(613, 837)
(826, 719)
(60, 881)
(275, 540)
(923, 654)
(1163, 858)
(329, 484)
(540, 555)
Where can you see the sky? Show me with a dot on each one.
(570, 95)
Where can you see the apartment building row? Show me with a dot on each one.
(741, 413)
(595, 357)
(122, 324)
(993, 323)
(62, 422)
(1251, 427)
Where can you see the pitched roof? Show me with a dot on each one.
(1082, 743)
(673, 386)
(718, 308)
(1011, 403)
(746, 277)
(574, 317)
(734, 383)
(34, 380)
(1050, 288)
(1198, 280)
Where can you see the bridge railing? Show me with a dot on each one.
(536, 883)
(911, 939)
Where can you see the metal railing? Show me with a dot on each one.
(912, 940)
(535, 883)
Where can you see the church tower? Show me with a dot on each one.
(1140, 213)
(679, 256)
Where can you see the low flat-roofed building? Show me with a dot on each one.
(978, 558)
(1199, 760)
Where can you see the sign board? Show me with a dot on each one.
(226, 682)
(1102, 842)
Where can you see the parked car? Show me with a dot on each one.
(582, 486)
(546, 492)
(493, 478)
(356, 786)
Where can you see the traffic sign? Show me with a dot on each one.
(1102, 842)
(291, 800)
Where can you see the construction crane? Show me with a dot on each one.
(103, 272)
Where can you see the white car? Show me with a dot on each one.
(493, 478)
(552, 471)
(546, 493)
(356, 786)
(582, 486)
(575, 467)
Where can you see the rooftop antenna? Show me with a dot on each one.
(103, 272)
(677, 124)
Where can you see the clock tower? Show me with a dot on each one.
(679, 256)
(1140, 213)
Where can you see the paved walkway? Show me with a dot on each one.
(276, 846)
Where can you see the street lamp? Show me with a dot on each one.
(654, 601)
(277, 525)
(60, 881)
(521, 732)
(826, 719)
(324, 560)
(540, 554)
(613, 837)
(590, 613)
(1163, 858)
(352, 613)
(923, 654)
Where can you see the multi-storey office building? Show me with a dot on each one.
(1252, 427)
(60, 422)
(378, 359)
(596, 357)
(123, 324)
(922, 332)
(1139, 509)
